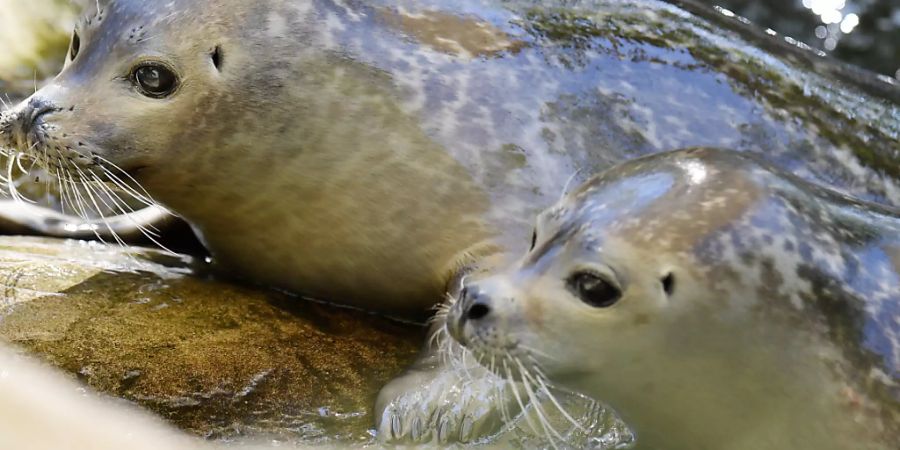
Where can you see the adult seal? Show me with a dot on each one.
(366, 152)
(713, 300)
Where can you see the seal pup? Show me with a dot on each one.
(714, 301)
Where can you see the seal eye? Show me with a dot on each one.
(76, 45)
(533, 240)
(594, 290)
(155, 80)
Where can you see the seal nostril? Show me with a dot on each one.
(668, 283)
(478, 311)
(217, 58)
(35, 112)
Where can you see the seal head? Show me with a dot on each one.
(708, 297)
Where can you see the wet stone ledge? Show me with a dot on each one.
(219, 360)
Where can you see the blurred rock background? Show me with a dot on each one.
(862, 32)
(34, 33)
(34, 37)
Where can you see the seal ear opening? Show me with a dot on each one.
(668, 283)
(217, 58)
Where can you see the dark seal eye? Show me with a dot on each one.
(155, 80)
(594, 290)
(76, 45)
(533, 240)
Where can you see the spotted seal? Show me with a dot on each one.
(715, 301)
(365, 152)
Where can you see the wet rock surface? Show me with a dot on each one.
(216, 359)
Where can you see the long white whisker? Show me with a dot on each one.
(537, 352)
(18, 159)
(62, 191)
(11, 182)
(81, 207)
(501, 387)
(128, 189)
(518, 397)
(122, 207)
(536, 404)
(89, 190)
(65, 188)
(556, 403)
(128, 175)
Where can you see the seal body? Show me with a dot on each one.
(362, 152)
(714, 301)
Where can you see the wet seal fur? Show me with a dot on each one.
(713, 300)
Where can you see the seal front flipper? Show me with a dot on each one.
(447, 397)
(440, 402)
(18, 217)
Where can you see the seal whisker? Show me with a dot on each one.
(518, 398)
(65, 186)
(82, 207)
(120, 205)
(536, 352)
(538, 409)
(144, 194)
(14, 160)
(18, 159)
(126, 210)
(127, 189)
(11, 182)
(89, 191)
(62, 191)
(35, 161)
(144, 197)
(464, 352)
(502, 386)
(546, 390)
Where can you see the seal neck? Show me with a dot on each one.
(736, 393)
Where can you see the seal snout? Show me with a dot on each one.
(472, 307)
(482, 309)
(20, 123)
(476, 303)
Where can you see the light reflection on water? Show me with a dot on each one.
(862, 32)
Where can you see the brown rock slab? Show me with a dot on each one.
(214, 358)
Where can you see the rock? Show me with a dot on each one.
(34, 35)
(216, 359)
